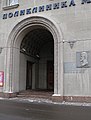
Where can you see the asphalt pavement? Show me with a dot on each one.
(17, 110)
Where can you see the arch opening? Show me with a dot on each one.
(37, 60)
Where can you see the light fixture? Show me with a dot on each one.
(37, 56)
(23, 49)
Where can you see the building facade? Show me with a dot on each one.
(46, 44)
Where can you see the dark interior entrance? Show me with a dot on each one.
(50, 75)
(29, 75)
(37, 50)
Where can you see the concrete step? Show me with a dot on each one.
(34, 94)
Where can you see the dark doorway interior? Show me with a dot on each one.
(50, 75)
(37, 48)
(29, 75)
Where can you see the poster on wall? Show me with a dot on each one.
(1, 78)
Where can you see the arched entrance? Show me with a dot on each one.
(37, 60)
(14, 43)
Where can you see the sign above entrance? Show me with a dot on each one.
(43, 8)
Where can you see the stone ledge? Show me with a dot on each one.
(86, 99)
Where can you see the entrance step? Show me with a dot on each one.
(35, 94)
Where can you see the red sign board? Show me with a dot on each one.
(1, 78)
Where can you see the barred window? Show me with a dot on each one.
(8, 4)
(12, 2)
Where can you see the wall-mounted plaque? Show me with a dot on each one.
(83, 59)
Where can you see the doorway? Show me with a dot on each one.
(29, 75)
(37, 49)
(50, 75)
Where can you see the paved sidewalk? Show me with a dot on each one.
(45, 101)
(40, 97)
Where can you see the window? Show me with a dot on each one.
(12, 2)
(8, 4)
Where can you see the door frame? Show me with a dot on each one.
(50, 61)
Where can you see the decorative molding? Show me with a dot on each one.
(13, 41)
(71, 43)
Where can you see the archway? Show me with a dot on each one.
(12, 55)
(37, 60)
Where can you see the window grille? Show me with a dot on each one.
(12, 2)
(8, 4)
